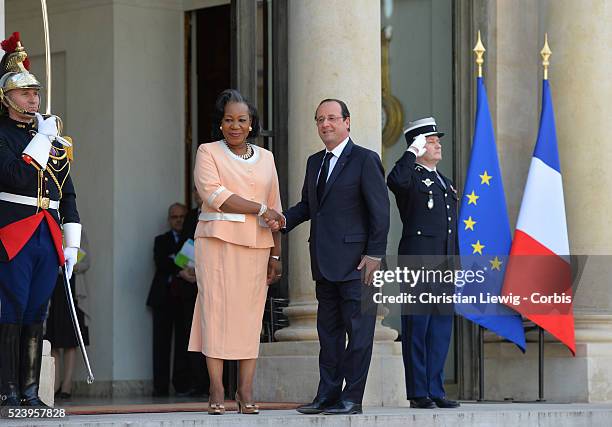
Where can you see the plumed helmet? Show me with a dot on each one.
(14, 69)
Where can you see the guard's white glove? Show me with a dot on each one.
(48, 127)
(418, 145)
(70, 255)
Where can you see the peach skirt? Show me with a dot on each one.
(231, 299)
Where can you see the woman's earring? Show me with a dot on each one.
(220, 127)
(250, 128)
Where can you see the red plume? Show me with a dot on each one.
(9, 45)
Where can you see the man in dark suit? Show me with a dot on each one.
(427, 203)
(165, 301)
(345, 198)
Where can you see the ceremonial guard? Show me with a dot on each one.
(427, 203)
(37, 206)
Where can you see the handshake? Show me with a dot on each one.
(274, 220)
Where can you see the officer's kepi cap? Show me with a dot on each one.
(425, 127)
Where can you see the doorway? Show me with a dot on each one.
(241, 45)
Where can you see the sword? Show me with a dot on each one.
(45, 16)
(75, 323)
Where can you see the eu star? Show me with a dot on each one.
(496, 264)
(469, 223)
(477, 247)
(485, 178)
(472, 198)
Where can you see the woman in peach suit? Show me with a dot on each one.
(237, 255)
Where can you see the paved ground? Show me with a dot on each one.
(470, 414)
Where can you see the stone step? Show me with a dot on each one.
(469, 415)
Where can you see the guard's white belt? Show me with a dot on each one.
(25, 200)
(221, 216)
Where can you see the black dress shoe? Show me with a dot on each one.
(344, 407)
(316, 407)
(422, 403)
(445, 403)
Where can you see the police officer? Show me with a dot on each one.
(37, 205)
(427, 203)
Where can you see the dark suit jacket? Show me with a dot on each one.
(188, 290)
(351, 220)
(165, 268)
(425, 231)
(189, 226)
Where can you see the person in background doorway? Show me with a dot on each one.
(168, 316)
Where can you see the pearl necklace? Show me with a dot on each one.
(247, 155)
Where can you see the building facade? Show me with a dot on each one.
(134, 82)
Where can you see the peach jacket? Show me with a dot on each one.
(218, 174)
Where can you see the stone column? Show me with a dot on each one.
(582, 92)
(2, 16)
(334, 52)
(582, 95)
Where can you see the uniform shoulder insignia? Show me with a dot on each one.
(418, 168)
(69, 150)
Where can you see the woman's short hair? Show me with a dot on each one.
(226, 97)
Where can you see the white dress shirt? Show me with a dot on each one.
(332, 162)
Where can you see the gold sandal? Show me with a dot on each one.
(216, 409)
(246, 408)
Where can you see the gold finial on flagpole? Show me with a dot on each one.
(545, 52)
(479, 50)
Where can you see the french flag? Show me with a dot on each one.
(539, 267)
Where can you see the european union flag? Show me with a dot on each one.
(484, 232)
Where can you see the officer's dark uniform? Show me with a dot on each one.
(427, 203)
(30, 248)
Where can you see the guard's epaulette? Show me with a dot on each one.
(69, 150)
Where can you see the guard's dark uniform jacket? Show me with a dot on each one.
(19, 221)
(427, 209)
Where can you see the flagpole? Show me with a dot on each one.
(480, 364)
(479, 51)
(545, 53)
(540, 365)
